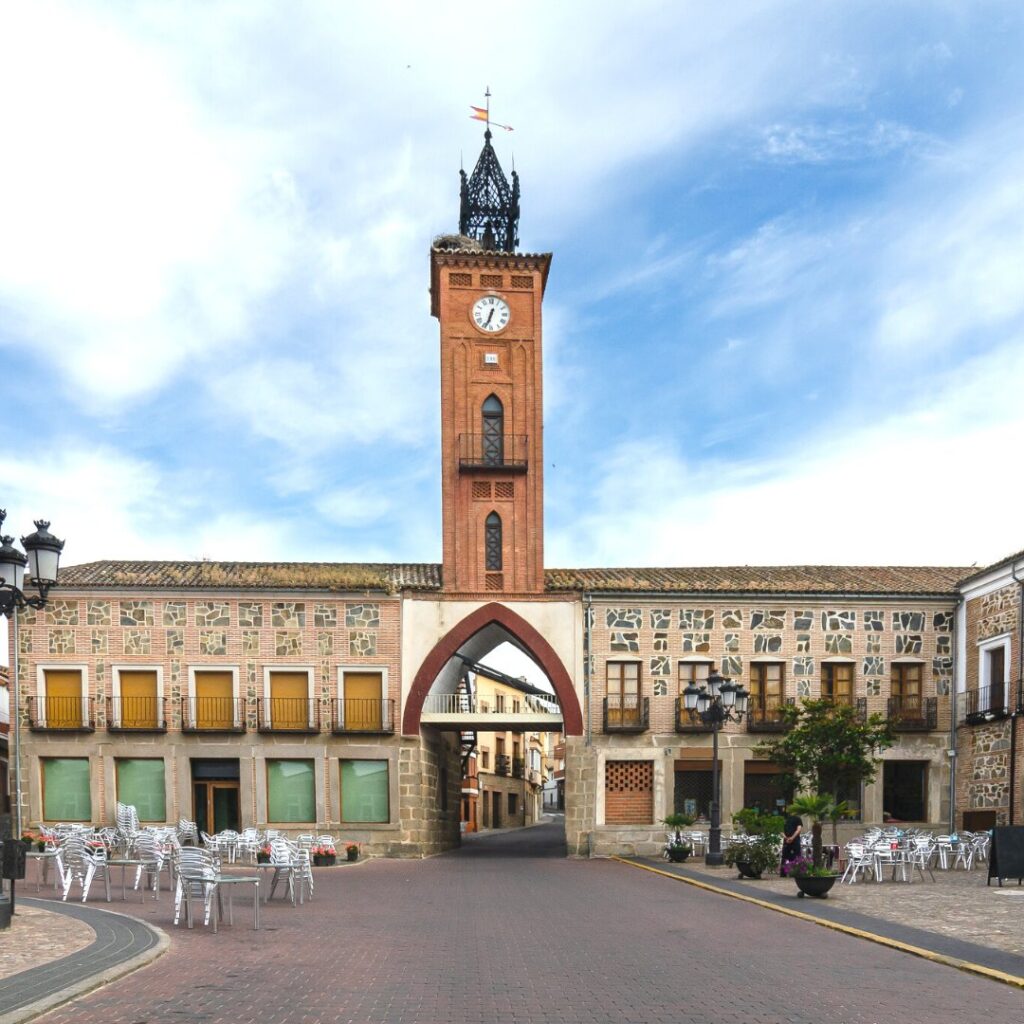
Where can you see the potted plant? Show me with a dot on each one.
(32, 839)
(811, 876)
(324, 856)
(751, 856)
(757, 850)
(352, 851)
(677, 849)
(263, 854)
(811, 879)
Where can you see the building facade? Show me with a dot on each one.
(311, 696)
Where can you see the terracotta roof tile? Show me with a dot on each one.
(394, 577)
(1008, 560)
(336, 576)
(767, 579)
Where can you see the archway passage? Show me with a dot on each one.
(493, 618)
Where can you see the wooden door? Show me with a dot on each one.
(363, 701)
(289, 700)
(214, 706)
(138, 708)
(64, 699)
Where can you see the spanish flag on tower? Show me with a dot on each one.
(483, 114)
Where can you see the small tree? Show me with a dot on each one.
(816, 807)
(828, 747)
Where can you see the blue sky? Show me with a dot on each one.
(784, 324)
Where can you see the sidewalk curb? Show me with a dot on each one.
(79, 988)
(992, 974)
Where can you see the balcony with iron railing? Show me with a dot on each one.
(913, 714)
(467, 704)
(363, 715)
(518, 768)
(288, 714)
(136, 714)
(485, 452)
(626, 713)
(61, 714)
(845, 700)
(212, 714)
(993, 702)
(502, 764)
(687, 721)
(766, 715)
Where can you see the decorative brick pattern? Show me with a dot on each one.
(325, 644)
(175, 614)
(61, 640)
(212, 642)
(288, 615)
(907, 643)
(212, 613)
(62, 613)
(325, 616)
(835, 620)
(250, 641)
(838, 643)
(803, 619)
(97, 613)
(767, 643)
(137, 613)
(765, 618)
(625, 643)
(731, 642)
(661, 642)
(911, 622)
(696, 643)
(803, 666)
(661, 618)
(623, 618)
(362, 616)
(287, 643)
(661, 666)
(732, 618)
(362, 644)
(505, 490)
(138, 641)
(250, 614)
(873, 620)
(696, 618)
(98, 641)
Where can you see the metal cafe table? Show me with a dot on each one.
(124, 863)
(45, 858)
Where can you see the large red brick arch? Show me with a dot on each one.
(531, 641)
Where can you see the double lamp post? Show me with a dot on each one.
(715, 703)
(41, 559)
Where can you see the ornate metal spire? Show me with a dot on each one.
(489, 206)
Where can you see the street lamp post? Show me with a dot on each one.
(41, 558)
(717, 702)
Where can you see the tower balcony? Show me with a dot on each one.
(487, 453)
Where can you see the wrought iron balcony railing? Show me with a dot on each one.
(61, 714)
(626, 713)
(859, 704)
(502, 764)
(518, 767)
(212, 714)
(988, 703)
(483, 452)
(767, 716)
(287, 714)
(914, 714)
(136, 714)
(363, 714)
(687, 723)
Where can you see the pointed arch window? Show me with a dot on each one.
(493, 427)
(492, 542)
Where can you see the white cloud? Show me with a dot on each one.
(903, 490)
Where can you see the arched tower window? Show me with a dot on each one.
(493, 413)
(492, 542)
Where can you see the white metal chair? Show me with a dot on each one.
(197, 871)
(81, 862)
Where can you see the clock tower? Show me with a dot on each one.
(487, 298)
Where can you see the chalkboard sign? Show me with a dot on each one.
(1007, 857)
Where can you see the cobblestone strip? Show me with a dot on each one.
(122, 945)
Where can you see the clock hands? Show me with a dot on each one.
(490, 316)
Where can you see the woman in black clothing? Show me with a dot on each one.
(790, 840)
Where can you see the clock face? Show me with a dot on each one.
(491, 314)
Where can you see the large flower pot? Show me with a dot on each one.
(352, 854)
(746, 870)
(678, 855)
(815, 885)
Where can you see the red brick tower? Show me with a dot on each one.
(487, 298)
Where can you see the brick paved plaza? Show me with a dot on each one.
(508, 929)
